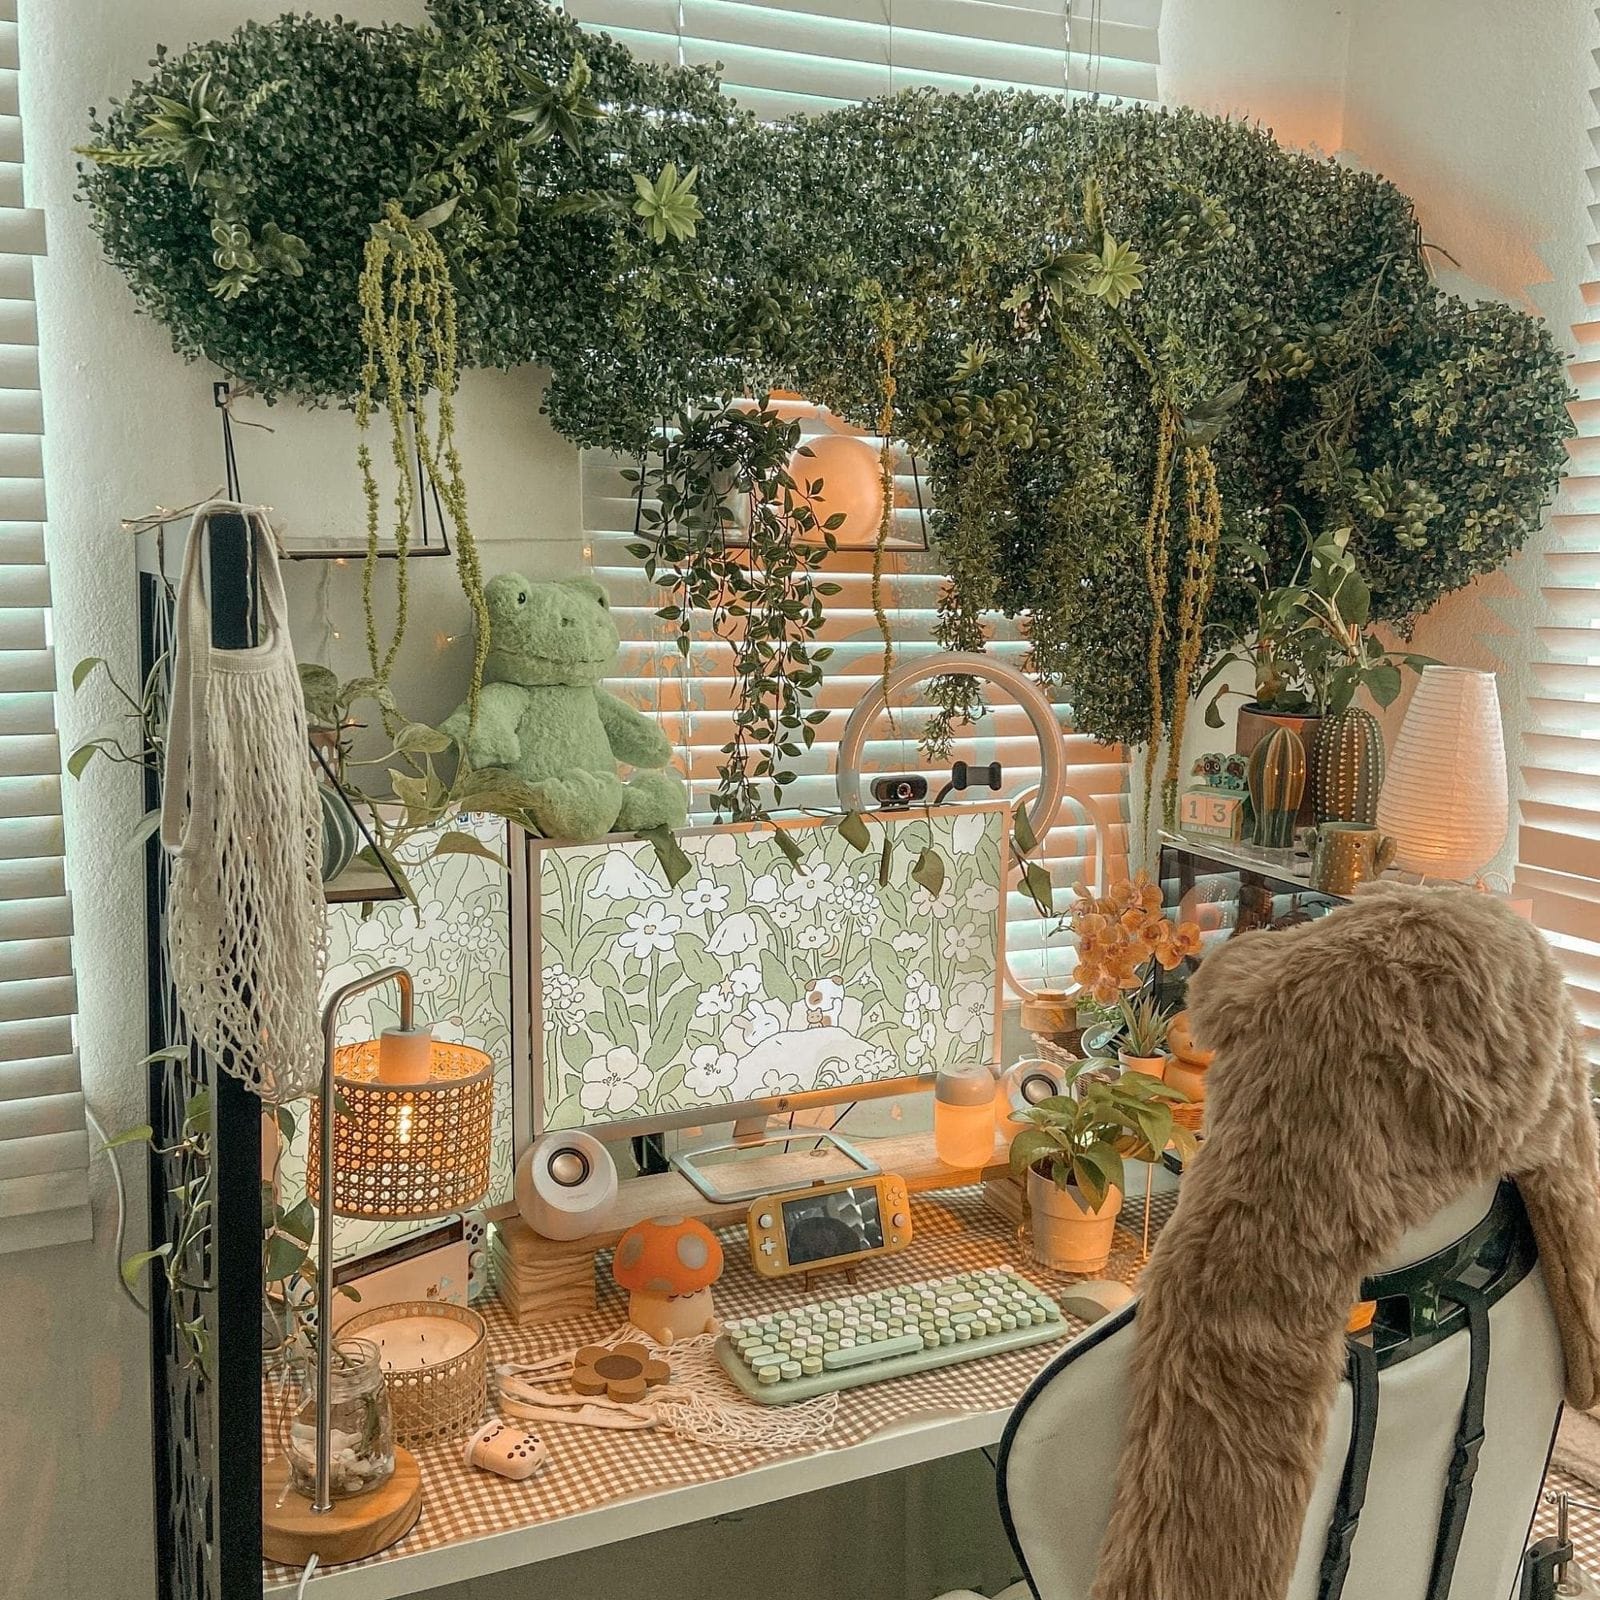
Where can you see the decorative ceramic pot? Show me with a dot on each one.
(340, 836)
(1067, 1235)
(1255, 724)
(1344, 854)
(1277, 786)
(1150, 1066)
(1187, 1078)
(1347, 762)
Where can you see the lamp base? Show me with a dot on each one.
(362, 1525)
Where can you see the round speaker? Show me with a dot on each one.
(565, 1185)
(1030, 1081)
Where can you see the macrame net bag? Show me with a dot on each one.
(246, 919)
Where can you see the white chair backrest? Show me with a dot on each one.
(1061, 1452)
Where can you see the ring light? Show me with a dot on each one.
(951, 663)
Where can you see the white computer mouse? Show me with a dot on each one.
(1095, 1298)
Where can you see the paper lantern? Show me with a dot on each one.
(1445, 801)
(852, 483)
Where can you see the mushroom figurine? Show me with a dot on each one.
(668, 1266)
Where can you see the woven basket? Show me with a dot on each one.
(437, 1403)
(407, 1151)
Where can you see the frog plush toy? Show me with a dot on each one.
(543, 716)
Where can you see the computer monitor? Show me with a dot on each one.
(757, 987)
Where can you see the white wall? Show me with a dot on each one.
(1478, 108)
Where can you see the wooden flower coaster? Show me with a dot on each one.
(623, 1373)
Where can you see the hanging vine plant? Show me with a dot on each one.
(1048, 266)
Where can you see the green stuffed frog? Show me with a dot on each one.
(543, 716)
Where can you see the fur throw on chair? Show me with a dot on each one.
(1370, 1067)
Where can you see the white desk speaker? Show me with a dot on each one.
(565, 1185)
(1023, 1087)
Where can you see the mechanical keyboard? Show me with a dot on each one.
(852, 1339)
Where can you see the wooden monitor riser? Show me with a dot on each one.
(538, 1276)
(355, 1527)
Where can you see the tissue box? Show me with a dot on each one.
(1216, 812)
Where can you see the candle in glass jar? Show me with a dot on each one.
(408, 1344)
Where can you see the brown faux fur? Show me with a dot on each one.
(1370, 1067)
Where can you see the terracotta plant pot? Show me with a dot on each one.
(1188, 1078)
(1255, 724)
(1067, 1236)
(1150, 1066)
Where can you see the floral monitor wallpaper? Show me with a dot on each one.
(753, 978)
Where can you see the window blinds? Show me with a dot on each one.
(693, 697)
(1558, 844)
(44, 1150)
(783, 57)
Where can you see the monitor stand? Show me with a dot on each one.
(757, 1133)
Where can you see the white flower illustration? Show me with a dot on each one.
(705, 898)
(785, 915)
(621, 878)
(921, 990)
(721, 849)
(715, 1002)
(650, 929)
(878, 1062)
(936, 906)
(766, 890)
(906, 941)
(981, 897)
(969, 1013)
(710, 1068)
(774, 1081)
(967, 834)
(563, 997)
(812, 937)
(960, 941)
(921, 1042)
(745, 980)
(613, 1082)
(734, 935)
(809, 885)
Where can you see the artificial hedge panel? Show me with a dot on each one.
(947, 245)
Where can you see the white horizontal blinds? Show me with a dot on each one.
(693, 698)
(785, 57)
(44, 1150)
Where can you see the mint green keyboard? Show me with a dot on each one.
(864, 1338)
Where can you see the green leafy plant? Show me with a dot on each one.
(1049, 268)
(1312, 649)
(1081, 1139)
(1141, 1026)
(734, 546)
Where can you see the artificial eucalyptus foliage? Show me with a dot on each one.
(1038, 292)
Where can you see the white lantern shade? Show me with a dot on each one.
(1445, 800)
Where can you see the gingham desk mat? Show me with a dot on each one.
(591, 1467)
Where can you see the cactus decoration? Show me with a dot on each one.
(1277, 783)
(1347, 764)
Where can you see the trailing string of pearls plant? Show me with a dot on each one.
(1076, 314)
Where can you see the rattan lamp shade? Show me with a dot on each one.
(405, 1151)
(1445, 800)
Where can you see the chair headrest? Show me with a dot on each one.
(1444, 1227)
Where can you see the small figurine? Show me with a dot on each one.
(622, 1372)
(668, 1266)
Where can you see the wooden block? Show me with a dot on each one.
(544, 1291)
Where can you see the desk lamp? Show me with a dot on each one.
(400, 1131)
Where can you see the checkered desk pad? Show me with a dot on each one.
(591, 1467)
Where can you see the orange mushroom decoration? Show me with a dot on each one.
(668, 1266)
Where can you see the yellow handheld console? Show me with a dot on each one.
(829, 1225)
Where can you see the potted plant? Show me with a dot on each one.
(1311, 648)
(1122, 937)
(1071, 1159)
(1142, 1035)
